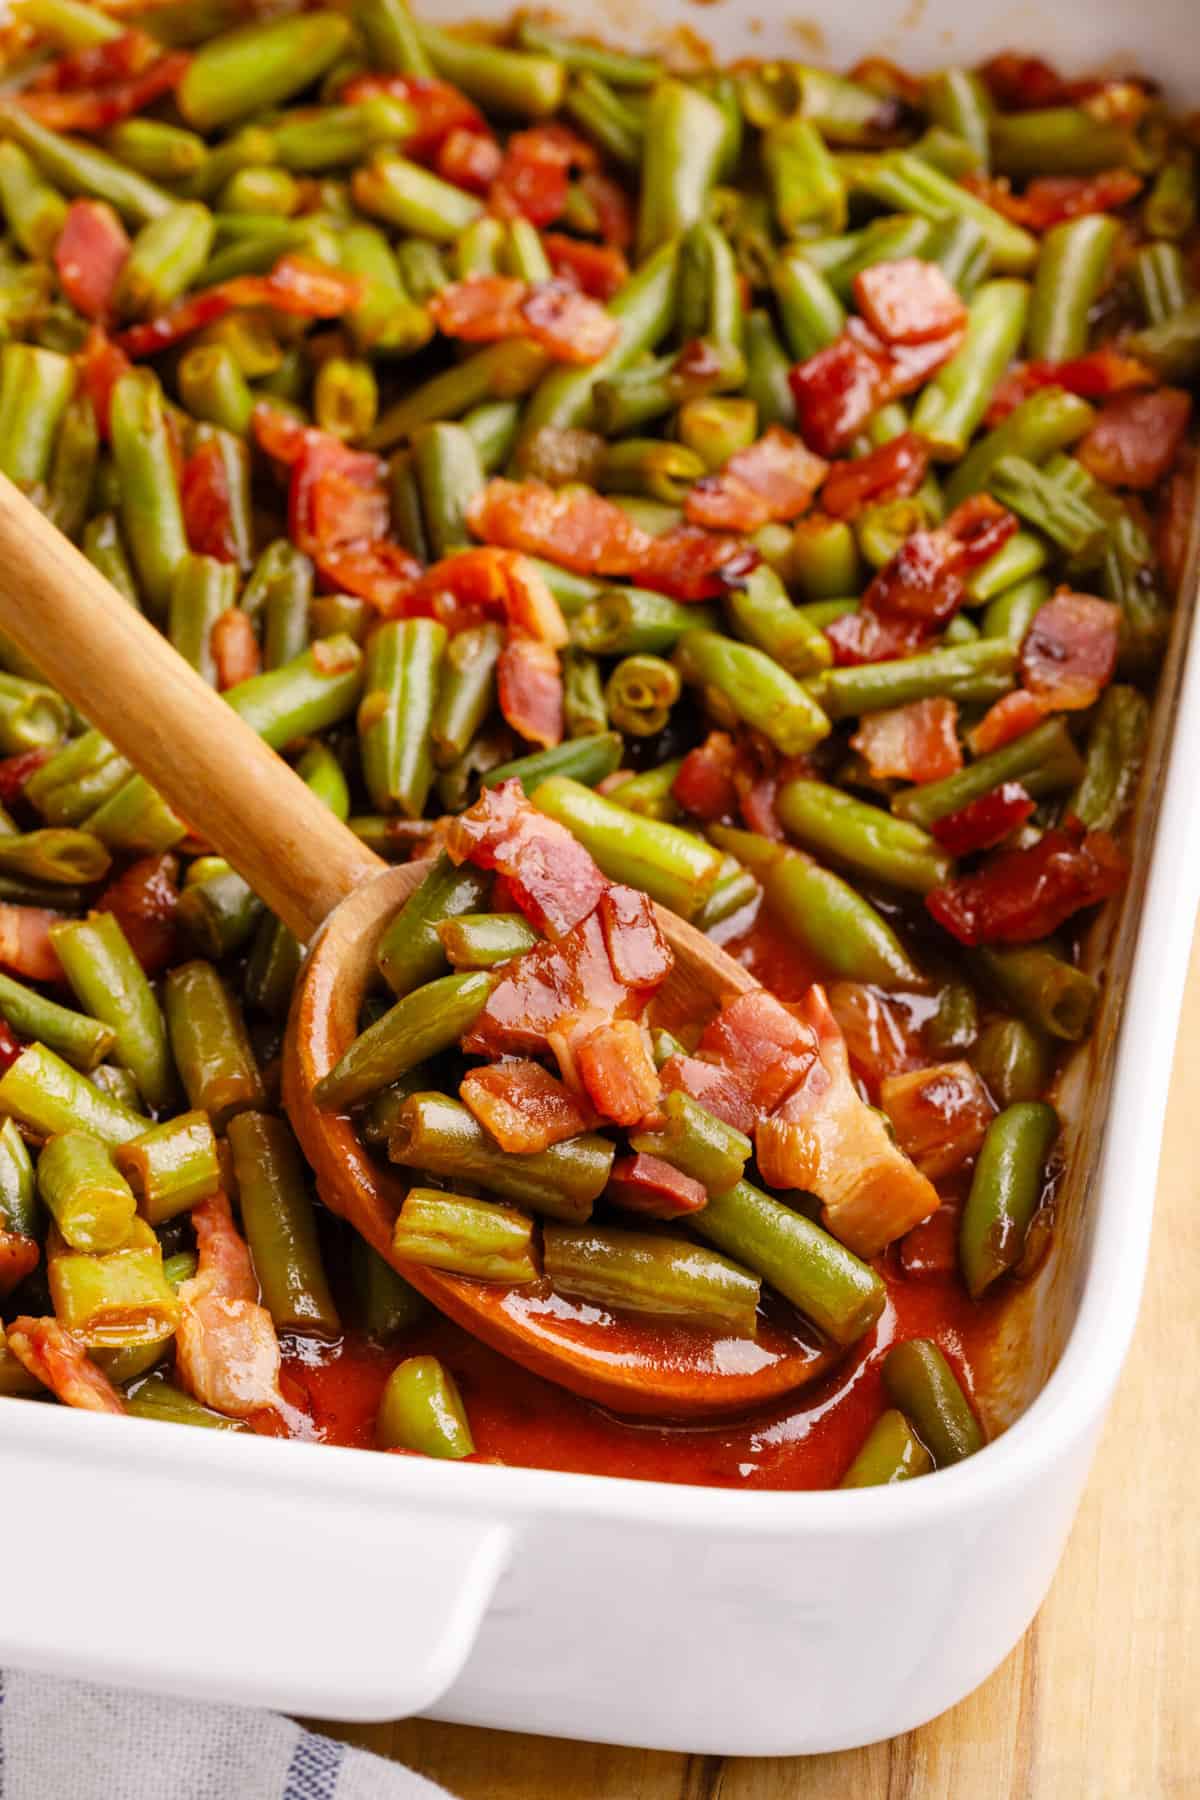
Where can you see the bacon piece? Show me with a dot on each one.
(923, 585)
(837, 390)
(691, 564)
(986, 822)
(553, 879)
(469, 159)
(825, 1139)
(533, 177)
(91, 251)
(549, 994)
(1020, 83)
(555, 314)
(1174, 529)
(296, 285)
(1136, 438)
(226, 1350)
(1023, 895)
(597, 269)
(879, 1034)
(235, 649)
(25, 946)
(618, 1072)
(1094, 376)
(480, 309)
(939, 1115)
(773, 479)
(207, 504)
(917, 742)
(638, 951)
(891, 471)
(58, 1359)
(530, 690)
(440, 110)
(645, 1184)
(908, 301)
(1069, 653)
(16, 770)
(611, 208)
(929, 1252)
(98, 108)
(96, 65)
(705, 784)
(101, 366)
(523, 1106)
(144, 900)
(18, 1255)
(728, 1093)
(499, 583)
(1007, 718)
(381, 572)
(761, 1038)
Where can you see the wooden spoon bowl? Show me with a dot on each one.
(325, 885)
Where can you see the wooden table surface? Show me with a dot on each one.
(1100, 1701)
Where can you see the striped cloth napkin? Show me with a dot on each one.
(70, 1740)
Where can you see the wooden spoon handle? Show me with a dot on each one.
(175, 730)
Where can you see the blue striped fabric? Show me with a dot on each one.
(313, 1771)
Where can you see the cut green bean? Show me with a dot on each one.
(280, 1224)
(739, 682)
(1044, 760)
(861, 837)
(420, 1025)
(422, 1410)
(465, 1236)
(84, 1192)
(440, 1136)
(171, 1167)
(209, 1042)
(891, 1452)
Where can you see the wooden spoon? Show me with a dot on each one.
(312, 872)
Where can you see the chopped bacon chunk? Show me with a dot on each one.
(1175, 519)
(773, 479)
(296, 285)
(523, 1106)
(923, 585)
(469, 160)
(1094, 376)
(101, 366)
(25, 945)
(1007, 718)
(95, 65)
(1020, 83)
(986, 822)
(610, 206)
(645, 1184)
(16, 770)
(760, 1037)
(691, 564)
(56, 1356)
(939, 1115)
(440, 109)
(879, 1033)
(555, 314)
(1136, 438)
(208, 504)
(553, 879)
(908, 301)
(597, 269)
(929, 1252)
(705, 783)
(917, 742)
(891, 471)
(1023, 895)
(18, 1256)
(543, 996)
(837, 390)
(825, 1139)
(91, 251)
(235, 648)
(144, 900)
(226, 1350)
(1053, 199)
(639, 953)
(533, 177)
(1070, 650)
(728, 1093)
(615, 1066)
(530, 690)
(95, 108)
(498, 583)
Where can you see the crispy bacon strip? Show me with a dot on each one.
(917, 742)
(523, 1106)
(614, 1064)
(598, 269)
(499, 584)
(439, 109)
(645, 1184)
(529, 690)
(553, 879)
(764, 1040)
(91, 251)
(1023, 895)
(638, 951)
(705, 785)
(1053, 199)
(825, 1139)
(469, 159)
(881, 1038)
(1095, 376)
(101, 365)
(1069, 653)
(145, 899)
(1136, 438)
(56, 1356)
(18, 1254)
(908, 301)
(208, 504)
(97, 108)
(1007, 718)
(555, 314)
(533, 178)
(235, 649)
(773, 479)
(25, 945)
(986, 822)
(838, 389)
(296, 285)
(939, 1115)
(226, 1350)
(891, 471)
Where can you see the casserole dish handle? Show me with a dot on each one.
(214, 1587)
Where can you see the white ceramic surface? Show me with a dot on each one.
(362, 1587)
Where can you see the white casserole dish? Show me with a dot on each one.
(363, 1587)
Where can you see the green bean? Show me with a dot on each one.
(584, 712)
(508, 81)
(76, 779)
(947, 152)
(802, 177)
(823, 913)
(467, 692)
(465, 1236)
(1113, 759)
(901, 180)
(841, 1295)
(165, 259)
(73, 467)
(305, 697)
(32, 717)
(958, 100)
(82, 169)
(53, 855)
(759, 610)
(1048, 992)
(439, 1136)
(498, 372)
(201, 589)
(1161, 281)
(257, 66)
(387, 1304)
(603, 115)
(1013, 1060)
(890, 239)
(624, 402)
(83, 1191)
(35, 388)
(396, 713)
(1044, 760)
(862, 837)
(717, 427)
(137, 820)
(420, 1025)
(661, 470)
(960, 249)
(697, 1143)
(151, 516)
(1023, 555)
(585, 760)
(171, 1167)
(104, 548)
(650, 795)
(920, 1381)
(1049, 420)
(410, 951)
(1006, 1190)
(18, 1193)
(766, 383)
(681, 153)
(672, 866)
(47, 1095)
(484, 940)
(640, 693)
(388, 320)
(1073, 266)
(622, 621)
(1059, 140)
(891, 1452)
(163, 152)
(668, 1277)
(158, 1398)
(477, 248)
(616, 66)
(280, 1225)
(218, 909)
(811, 314)
(739, 682)
(345, 397)
(449, 475)
(33, 210)
(1169, 210)
(734, 890)
(208, 1040)
(81, 1040)
(422, 1410)
(493, 426)
(953, 404)
(403, 194)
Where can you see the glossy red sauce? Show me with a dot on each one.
(805, 1440)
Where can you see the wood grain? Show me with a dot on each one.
(1101, 1700)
